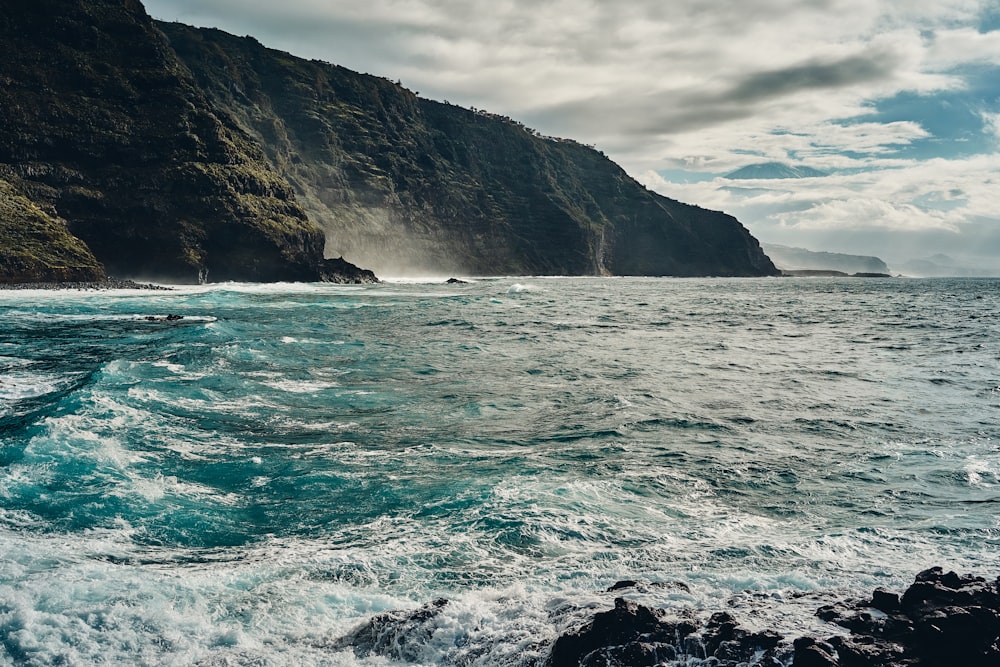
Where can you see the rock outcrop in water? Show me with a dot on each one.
(942, 619)
(159, 151)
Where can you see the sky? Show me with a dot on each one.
(896, 102)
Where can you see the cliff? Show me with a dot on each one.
(403, 184)
(159, 151)
(116, 158)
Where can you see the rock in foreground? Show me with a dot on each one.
(942, 620)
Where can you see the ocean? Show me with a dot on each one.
(251, 482)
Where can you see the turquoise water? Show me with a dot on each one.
(249, 483)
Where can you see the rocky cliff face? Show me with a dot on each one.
(159, 151)
(106, 133)
(35, 245)
(403, 184)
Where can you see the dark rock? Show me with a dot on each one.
(627, 622)
(637, 654)
(632, 634)
(631, 583)
(341, 271)
(398, 635)
(867, 652)
(621, 585)
(830, 613)
(678, 585)
(456, 281)
(811, 653)
(941, 619)
(885, 601)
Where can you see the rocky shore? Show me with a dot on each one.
(108, 284)
(941, 620)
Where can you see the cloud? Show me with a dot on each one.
(789, 80)
(867, 213)
(897, 212)
(991, 124)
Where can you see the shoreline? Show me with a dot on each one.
(942, 618)
(109, 284)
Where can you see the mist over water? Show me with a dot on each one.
(249, 483)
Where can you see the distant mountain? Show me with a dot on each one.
(773, 170)
(943, 266)
(799, 259)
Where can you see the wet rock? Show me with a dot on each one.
(884, 600)
(631, 583)
(627, 623)
(942, 619)
(811, 653)
(340, 271)
(632, 634)
(639, 654)
(398, 635)
(621, 585)
(867, 652)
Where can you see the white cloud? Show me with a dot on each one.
(898, 213)
(867, 213)
(950, 48)
(991, 122)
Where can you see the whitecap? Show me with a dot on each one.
(23, 385)
(980, 473)
(301, 386)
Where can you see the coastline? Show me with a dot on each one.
(942, 618)
(109, 284)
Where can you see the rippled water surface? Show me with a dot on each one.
(247, 484)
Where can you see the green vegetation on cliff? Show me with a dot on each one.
(35, 246)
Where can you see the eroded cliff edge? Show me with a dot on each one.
(159, 151)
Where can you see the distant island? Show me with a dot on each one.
(773, 170)
(944, 266)
(161, 152)
(799, 261)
